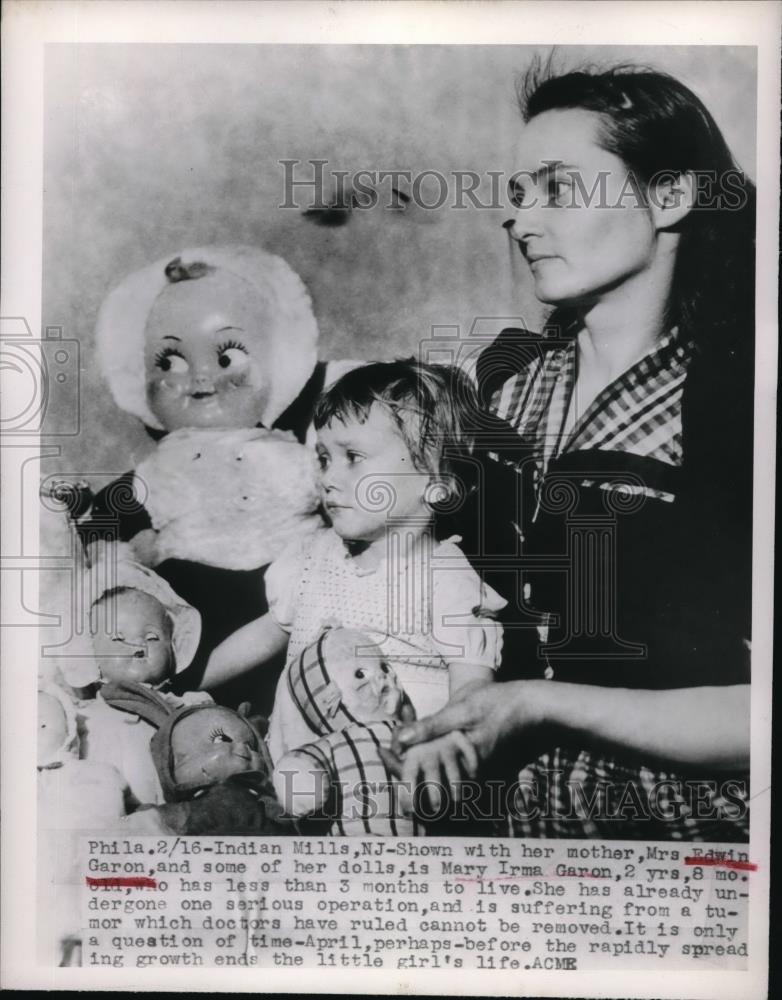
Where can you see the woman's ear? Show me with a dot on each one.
(671, 197)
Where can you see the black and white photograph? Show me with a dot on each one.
(388, 460)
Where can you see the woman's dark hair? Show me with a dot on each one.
(658, 127)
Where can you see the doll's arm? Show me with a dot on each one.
(302, 783)
(248, 647)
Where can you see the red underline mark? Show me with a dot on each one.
(130, 882)
(742, 866)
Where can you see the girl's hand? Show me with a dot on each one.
(485, 713)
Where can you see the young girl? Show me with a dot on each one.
(390, 437)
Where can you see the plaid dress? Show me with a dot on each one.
(588, 792)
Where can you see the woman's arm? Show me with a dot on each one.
(698, 727)
(460, 674)
(248, 647)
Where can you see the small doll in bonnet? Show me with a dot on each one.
(214, 350)
(212, 764)
(140, 631)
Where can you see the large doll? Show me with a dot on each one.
(351, 700)
(214, 349)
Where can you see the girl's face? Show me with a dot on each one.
(581, 223)
(204, 341)
(212, 744)
(368, 477)
(132, 638)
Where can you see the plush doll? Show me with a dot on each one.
(212, 764)
(350, 698)
(141, 631)
(74, 797)
(214, 349)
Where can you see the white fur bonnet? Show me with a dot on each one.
(293, 335)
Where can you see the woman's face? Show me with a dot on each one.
(204, 354)
(581, 223)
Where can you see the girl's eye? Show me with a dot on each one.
(323, 461)
(119, 637)
(354, 457)
(360, 674)
(218, 736)
(170, 360)
(232, 355)
(151, 637)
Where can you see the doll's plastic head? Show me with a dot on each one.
(208, 337)
(206, 358)
(140, 629)
(131, 637)
(195, 746)
(57, 734)
(343, 679)
(211, 745)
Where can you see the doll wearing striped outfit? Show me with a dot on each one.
(351, 700)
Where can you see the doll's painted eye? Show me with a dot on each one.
(119, 637)
(218, 736)
(170, 360)
(232, 355)
(360, 674)
(384, 667)
(151, 637)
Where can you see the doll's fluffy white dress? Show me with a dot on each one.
(228, 498)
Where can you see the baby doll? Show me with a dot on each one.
(141, 631)
(389, 437)
(73, 795)
(214, 349)
(212, 765)
(350, 697)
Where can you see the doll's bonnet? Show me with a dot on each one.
(129, 696)
(108, 575)
(291, 336)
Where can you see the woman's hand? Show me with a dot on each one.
(452, 744)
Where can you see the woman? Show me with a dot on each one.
(634, 415)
